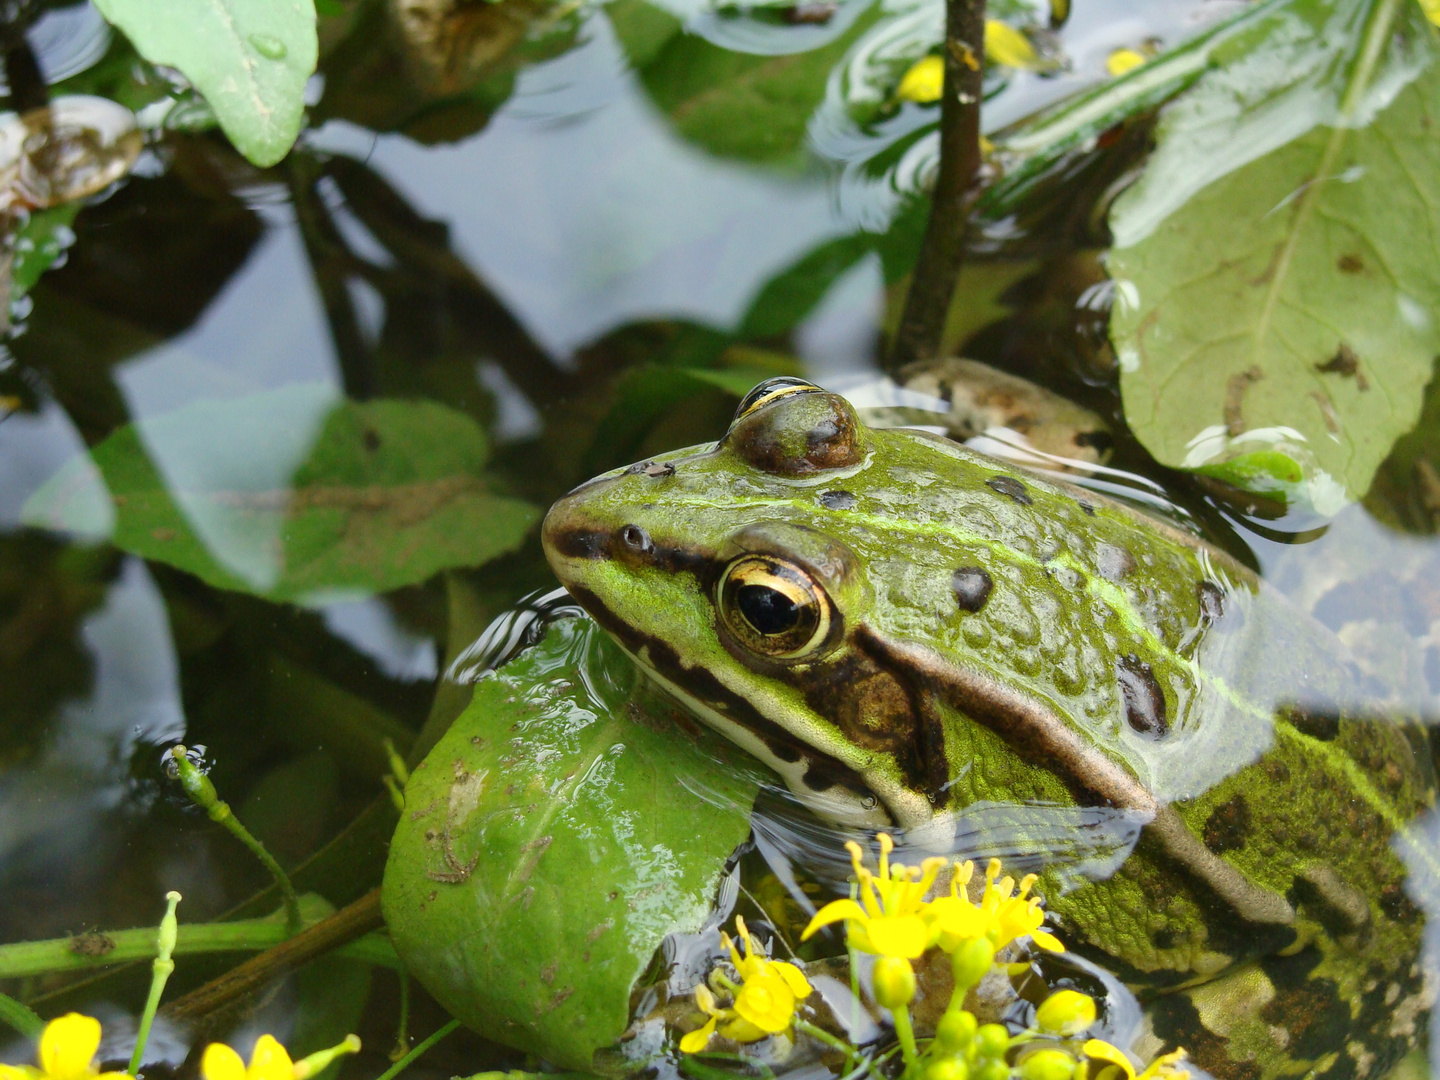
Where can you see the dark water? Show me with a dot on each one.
(544, 223)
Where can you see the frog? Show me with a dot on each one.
(911, 633)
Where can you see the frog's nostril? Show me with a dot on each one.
(636, 539)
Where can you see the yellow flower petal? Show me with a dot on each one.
(19, 1072)
(1432, 10)
(794, 978)
(697, 1040)
(220, 1062)
(925, 81)
(898, 935)
(1100, 1050)
(1007, 46)
(68, 1045)
(1047, 941)
(833, 912)
(1122, 60)
(269, 1061)
(767, 1003)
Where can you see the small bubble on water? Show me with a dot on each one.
(269, 46)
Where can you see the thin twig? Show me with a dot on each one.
(345, 925)
(937, 269)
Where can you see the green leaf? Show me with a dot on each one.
(292, 494)
(1277, 266)
(736, 105)
(250, 58)
(562, 827)
(41, 240)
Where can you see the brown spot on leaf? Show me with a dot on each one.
(1350, 264)
(595, 934)
(1235, 390)
(92, 944)
(1346, 364)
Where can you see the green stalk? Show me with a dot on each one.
(202, 792)
(906, 1034)
(27, 958)
(20, 1017)
(160, 975)
(425, 1044)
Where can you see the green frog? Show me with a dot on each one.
(910, 632)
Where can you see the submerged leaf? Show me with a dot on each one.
(250, 58)
(292, 494)
(551, 840)
(1277, 266)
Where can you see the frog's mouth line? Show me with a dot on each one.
(831, 788)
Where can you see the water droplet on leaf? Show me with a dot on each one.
(269, 46)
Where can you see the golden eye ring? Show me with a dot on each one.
(774, 607)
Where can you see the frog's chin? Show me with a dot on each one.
(838, 804)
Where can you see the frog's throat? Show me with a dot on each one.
(840, 803)
(1042, 736)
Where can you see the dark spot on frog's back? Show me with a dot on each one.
(1318, 725)
(972, 587)
(1212, 601)
(1143, 697)
(582, 543)
(1011, 488)
(1228, 825)
(837, 500)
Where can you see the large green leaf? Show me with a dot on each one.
(250, 58)
(1277, 266)
(553, 837)
(292, 494)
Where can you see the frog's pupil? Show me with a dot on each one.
(768, 610)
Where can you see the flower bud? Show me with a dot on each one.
(1065, 1013)
(991, 1070)
(947, 1068)
(970, 961)
(956, 1030)
(991, 1041)
(1047, 1065)
(894, 981)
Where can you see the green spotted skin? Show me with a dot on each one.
(964, 636)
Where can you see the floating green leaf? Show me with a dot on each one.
(292, 494)
(250, 58)
(1277, 267)
(553, 837)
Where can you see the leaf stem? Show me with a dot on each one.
(420, 1048)
(906, 1034)
(21, 1017)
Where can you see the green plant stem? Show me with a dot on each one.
(202, 792)
(26, 958)
(425, 1044)
(20, 1017)
(402, 1029)
(160, 975)
(906, 1034)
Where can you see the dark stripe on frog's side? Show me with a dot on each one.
(822, 772)
(1045, 740)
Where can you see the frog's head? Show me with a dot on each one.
(720, 571)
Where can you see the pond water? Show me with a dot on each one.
(564, 234)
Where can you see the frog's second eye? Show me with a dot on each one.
(774, 607)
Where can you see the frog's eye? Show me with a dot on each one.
(774, 607)
(772, 390)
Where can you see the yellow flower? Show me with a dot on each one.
(925, 80)
(1008, 47)
(67, 1052)
(268, 1061)
(891, 918)
(1122, 60)
(1432, 10)
(765, 1000)
(1002, 916)
(1109, 1062)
